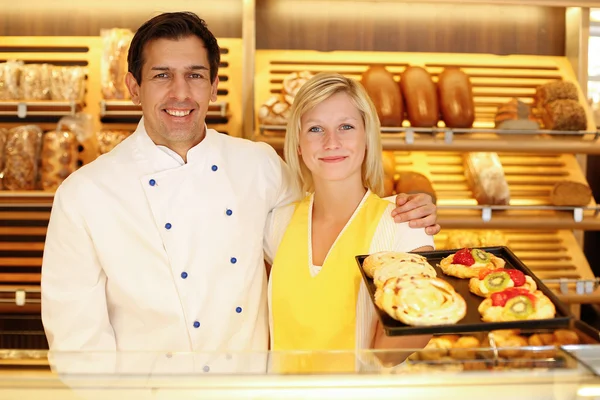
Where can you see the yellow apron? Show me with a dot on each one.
(319, 313)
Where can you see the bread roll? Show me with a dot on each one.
(385, 94)
(555, 90)
(464, 348)
(420, 96)
(485, 177)
(515, 114)
(456, 98)
(513, 342)
(563, 337)
(389, 163)
(564, 115)
(414, 182)
(570, 193)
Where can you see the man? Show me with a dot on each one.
(158, 245)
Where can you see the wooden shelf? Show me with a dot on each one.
(530, 178)
(25, 109)
(126, 109)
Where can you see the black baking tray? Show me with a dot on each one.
(472, 321)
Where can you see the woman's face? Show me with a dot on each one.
(333, 140)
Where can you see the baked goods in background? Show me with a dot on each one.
(10, 73)
(516, 304)
(385, 94)
(485, 177)
(420, 96)
(458, 239)
(113, 67)
(21, 158)
(555, 90)
(58, 158)
(292, 84)
(275, 111)
(380, 259)
(491, 281)
(517, 115)
(414, 182)
(456, 98)
(3, 136)
(564, 115)
(389, 163)
(418, 300)
(68, 83)
(108, 139)
(36, 81)
(468, 263)
(388, 185)
(570, 193)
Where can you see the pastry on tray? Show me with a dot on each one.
(400, 268)
(516, 304)
(378, 260)
(418, 300)
(495, 280)
(468, 263)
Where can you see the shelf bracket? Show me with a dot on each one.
(20, 297)
(486, 214)
(409, 136)
(448, 136)
(22, 110)
(578, 214)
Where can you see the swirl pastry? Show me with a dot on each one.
(495, 280)
(378, 260)
(468, 263)
(421, 301)
(516, 304)
(400, 268)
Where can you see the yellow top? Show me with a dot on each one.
(319, 313)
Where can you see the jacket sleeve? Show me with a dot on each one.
(74, 306)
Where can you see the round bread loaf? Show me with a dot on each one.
(414, 182)
(389, 163)
(420, 95)
(385, 94)
(456, 98)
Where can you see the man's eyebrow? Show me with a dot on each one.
(193, 67)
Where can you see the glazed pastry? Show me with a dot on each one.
(421, 301)
(377, 260)
(516, 304)
(468, 263)
(400, 268)
(495, 280)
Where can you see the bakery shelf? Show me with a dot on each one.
(24, 109)
(530, 178)
(483, 139)
(125, 109)
(26, 198)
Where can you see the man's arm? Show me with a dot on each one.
(418, 209)
(74, 307)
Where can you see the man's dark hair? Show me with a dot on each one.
(176, 25)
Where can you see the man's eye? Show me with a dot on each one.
(196, 76)
(163, 75)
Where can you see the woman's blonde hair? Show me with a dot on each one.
(316, 90)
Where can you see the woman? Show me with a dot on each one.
(334, 149)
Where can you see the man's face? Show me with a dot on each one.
(174, 91)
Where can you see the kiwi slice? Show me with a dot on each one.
(480, 256)
(496, 281)
(519, 307)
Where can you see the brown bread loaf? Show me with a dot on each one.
(414, 182)
(570, 193)
(456, 98)
(564, 115)
(385, 94)
(420, 96)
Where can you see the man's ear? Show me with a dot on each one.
(213, 90)
(134, 88)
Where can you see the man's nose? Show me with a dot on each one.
(180, 87)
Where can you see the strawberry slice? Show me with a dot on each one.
(500, 298)
(517, 276)
(463, 257)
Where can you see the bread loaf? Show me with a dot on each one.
(68, 83)
(292, 84)
(388, 185)
(275, 111)
(10, 73)
(564, 115)
(414, 182)
(58, 158)
(485, 177)
(389, 163)
(107, 140)
(456, 98)
(420, 96)
(555, 90)
(21, 157)
(515, 114)
(3, 136)
(114, 62)
(35, 81)
(570, 193)
(385, 94)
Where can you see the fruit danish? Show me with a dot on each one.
(468, 263)
(516, 304)
(421, 301)
(495, 280)
(378, 260)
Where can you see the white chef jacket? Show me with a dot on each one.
(145, 254)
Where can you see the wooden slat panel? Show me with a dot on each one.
(21, 261)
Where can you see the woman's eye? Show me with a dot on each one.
(315, 129)
(346, 127)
